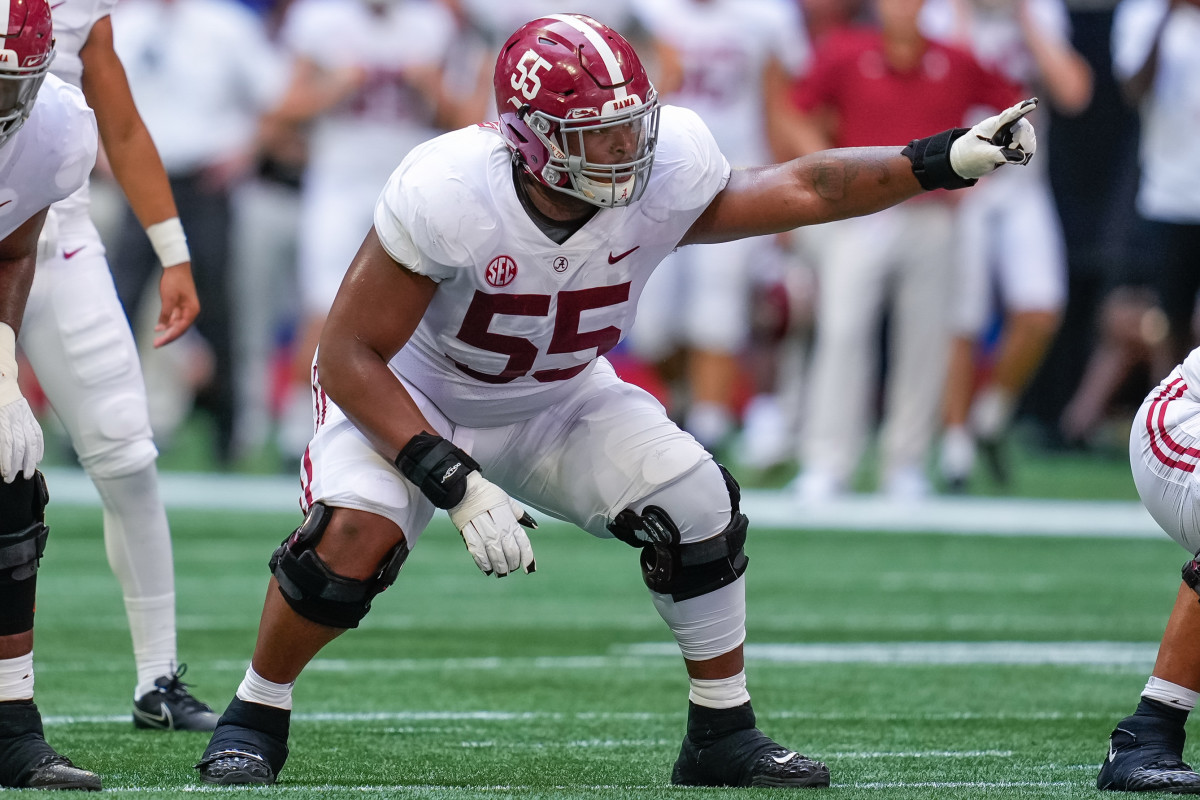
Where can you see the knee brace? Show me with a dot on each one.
(681, 570)
(1191, 574)
(316, 592)
(23, 536)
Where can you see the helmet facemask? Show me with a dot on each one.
(606, 158)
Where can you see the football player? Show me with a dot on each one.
(47, 149)
(462, 368)
(77, 339)
(1145, 751)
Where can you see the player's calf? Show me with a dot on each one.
(249, 745)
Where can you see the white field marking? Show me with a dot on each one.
(1020, 653)
(665, 655)
(922, 754)
(962, 785)
(358, 717)
(766, 508)
(577, 744)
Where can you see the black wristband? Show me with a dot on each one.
(930, 159)
(437, 467)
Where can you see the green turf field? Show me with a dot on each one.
(917, 666)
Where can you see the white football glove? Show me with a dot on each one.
(490, 523)
(1006, 138)
(21, 445)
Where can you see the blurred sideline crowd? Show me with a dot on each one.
(1056, 295)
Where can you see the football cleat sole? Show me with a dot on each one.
(236, 768)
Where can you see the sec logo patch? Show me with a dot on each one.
(501, 271)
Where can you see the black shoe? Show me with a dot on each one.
(171, 707)
(1147, 758)
(249, 745)
(28, 761)
(723, 748)
(57, 772)
(995, 457)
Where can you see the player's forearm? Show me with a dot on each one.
(852, 182)
(139, 170)
(1065, 74)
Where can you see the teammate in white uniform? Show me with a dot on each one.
(369, 102)
(732, 62)
(1146, 749)
(505, 260)
(47, 148)
(78, 341)
(1009, 235)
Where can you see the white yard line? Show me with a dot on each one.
(774, 509)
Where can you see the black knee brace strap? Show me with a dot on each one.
(1191, 574)
(316, 592)
(930, 159)
(22, 543)
(685, 571)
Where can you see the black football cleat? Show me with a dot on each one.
(27, 761)
(171, 707)
(995, 457)
(57, 772)
(723, 748)
(249, 746)
(1144, 758)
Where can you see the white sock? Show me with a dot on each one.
(992, 411)
(958, 453)
(709, 423)
(152, 627)
(16, 678)
(137, 540)
(1170, 694)
(721, 693)
(257, 689)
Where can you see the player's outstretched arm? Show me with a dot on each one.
(852, 182)
(139, 170)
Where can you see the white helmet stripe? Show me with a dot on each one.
(5, 10)
(615, 76)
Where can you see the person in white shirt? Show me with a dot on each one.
(731, 62)
(79, 343)
(468, 339)
(47, 148)
(1029, 42)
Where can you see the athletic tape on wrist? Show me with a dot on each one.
(437, 467)
(169, 242)
(10, 390)
(930, 159)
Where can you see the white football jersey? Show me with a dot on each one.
(517, 321)
(73, 21)
(724, 46)
(994, 33)
(49, 157)
(369, 133)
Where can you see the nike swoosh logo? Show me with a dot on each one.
(6, 202)
(72, 253)
(1112, 753)
(164, 719)
(786, 757)
(614, 259)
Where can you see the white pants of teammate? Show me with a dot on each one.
(1009, 239)
(78, 342)
(697, 297)
(899, 258)
(608, 447)
(1164, 450)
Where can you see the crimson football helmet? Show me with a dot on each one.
(578, 109)
(26, 50)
